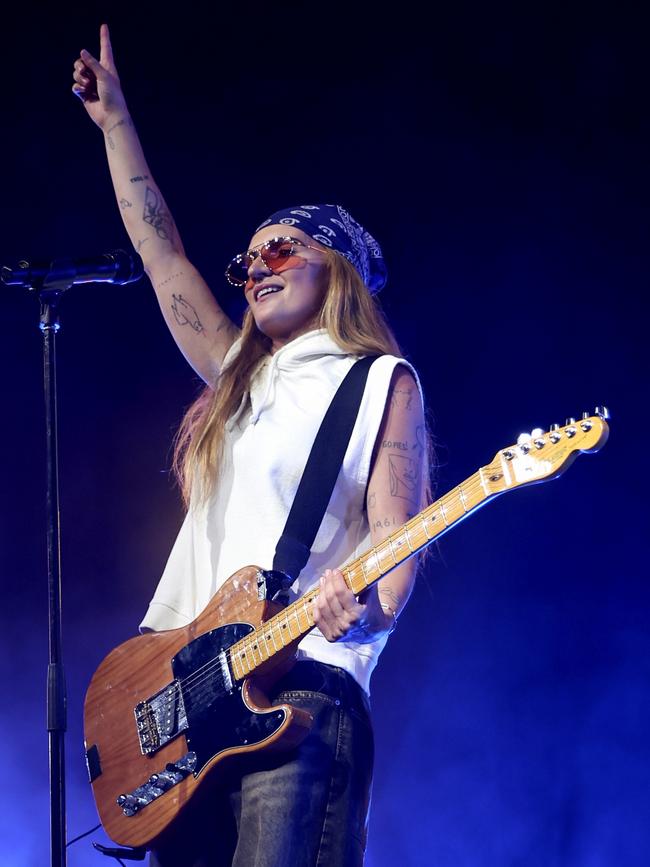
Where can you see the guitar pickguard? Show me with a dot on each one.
(217, 716)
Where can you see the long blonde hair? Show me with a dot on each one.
(352, 318)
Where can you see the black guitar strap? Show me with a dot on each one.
(318, 480)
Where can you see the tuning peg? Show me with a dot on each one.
(523, 441)
(536, 433)
(569, 421)
(603, 412)
(554, 427)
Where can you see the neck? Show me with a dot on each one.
(280, 342)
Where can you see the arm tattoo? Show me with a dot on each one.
(169, 279)
(125, 121)
(402, 397)
(372, 500)
(140, 243)
(139, 178)
(185, 314)
(403, 477)
(402, 445)
(386, 523)
(125, 203)
(420, 441)
(390, 596)
(156, 215)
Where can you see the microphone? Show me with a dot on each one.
(117, 267)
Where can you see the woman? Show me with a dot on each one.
(308, 276)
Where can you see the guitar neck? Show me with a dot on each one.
(285, 630)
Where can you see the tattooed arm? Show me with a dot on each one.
(394, 495)
(199, 326)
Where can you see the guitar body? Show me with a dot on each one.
(161, 712)
(165, 709)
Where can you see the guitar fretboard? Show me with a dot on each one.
(292, 623)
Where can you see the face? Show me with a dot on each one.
(293, 305)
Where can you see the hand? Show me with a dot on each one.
(339, 615)
(97, 83)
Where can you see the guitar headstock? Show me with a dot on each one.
(543, 455)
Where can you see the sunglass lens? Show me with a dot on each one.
(237, 270)
(276, 251)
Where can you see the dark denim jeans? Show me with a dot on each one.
(303, 808)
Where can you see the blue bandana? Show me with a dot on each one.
(332, 226)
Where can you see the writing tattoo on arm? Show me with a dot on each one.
(140, 243)
(126, 121)
(185, 314)
(402, 445)
(125, 203)
(139, 178)
(157, 216)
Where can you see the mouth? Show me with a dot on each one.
(267, 289)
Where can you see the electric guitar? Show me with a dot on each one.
(165, 710)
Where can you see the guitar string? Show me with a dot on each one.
(197, 689)
(471, 485)
(206, 672)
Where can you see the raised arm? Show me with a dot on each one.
(199, 326)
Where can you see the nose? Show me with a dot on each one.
(258, 268)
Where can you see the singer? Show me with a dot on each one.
(310, 274)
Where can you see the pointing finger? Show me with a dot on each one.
(106, 49)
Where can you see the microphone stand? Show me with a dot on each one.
(50, 295)
(50, 281)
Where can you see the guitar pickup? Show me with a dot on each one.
(161, 718)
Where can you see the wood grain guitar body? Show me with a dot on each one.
(163, 710)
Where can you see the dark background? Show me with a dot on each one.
(500, 157)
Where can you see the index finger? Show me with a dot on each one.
(106, 49)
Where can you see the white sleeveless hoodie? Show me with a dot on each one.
(266, 447)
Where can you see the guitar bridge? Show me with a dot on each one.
(161, 718)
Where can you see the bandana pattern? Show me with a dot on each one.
(334, 227)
